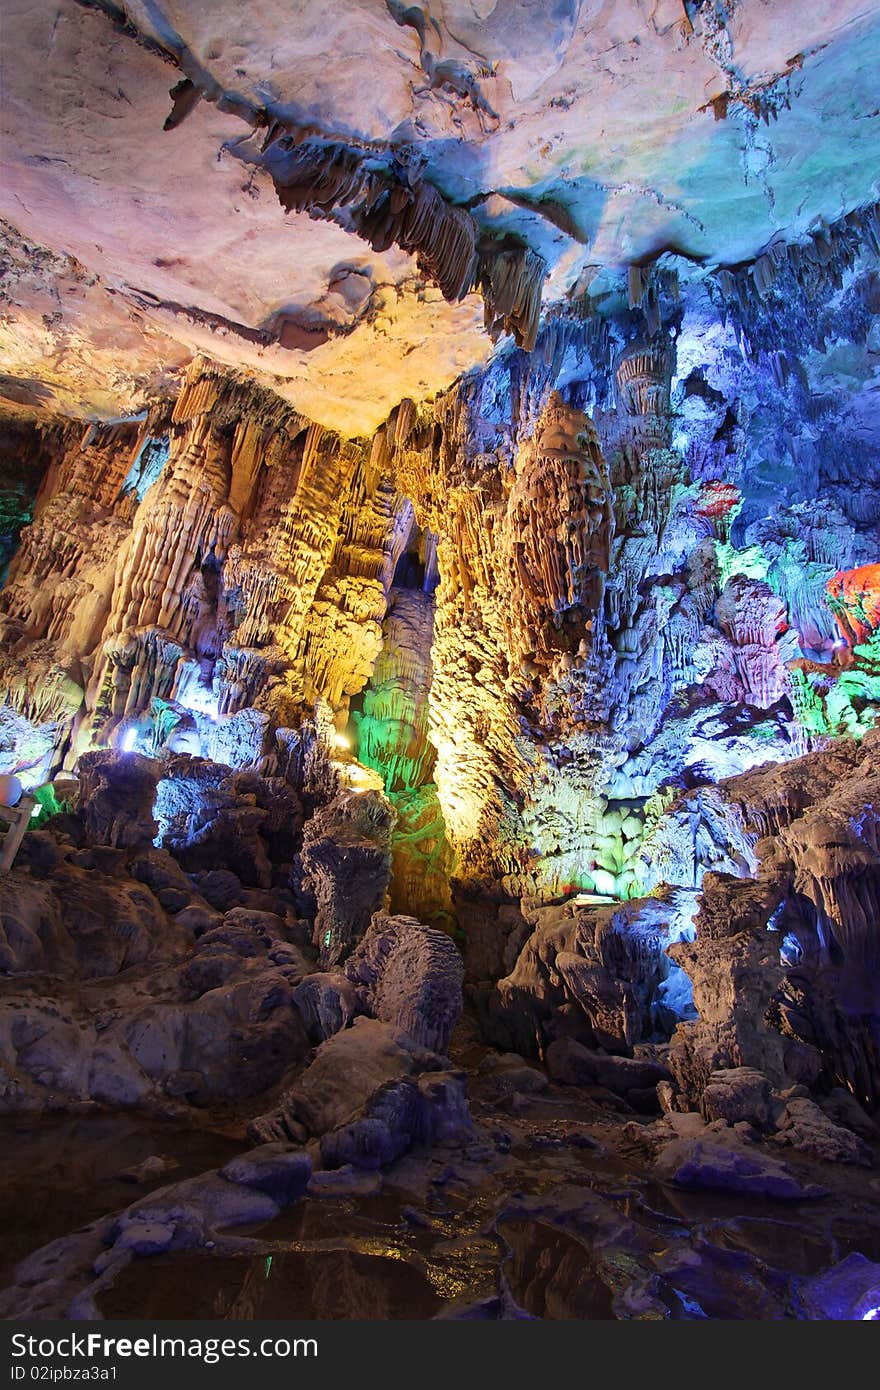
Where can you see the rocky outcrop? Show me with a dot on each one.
(211, 1028)
(736, 1095)
(346, 866)
(726, 1165)
(157, 991)
(212, 818)
(370, 1094)
(117, 795)
(794, 945)
(411, 977)
(595, 974)
(82, 924)
(804, 1126)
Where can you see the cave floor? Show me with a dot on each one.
(551, 1211)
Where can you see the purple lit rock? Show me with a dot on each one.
(724, 1165)
(848, 1292)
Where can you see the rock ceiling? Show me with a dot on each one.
(548, 143)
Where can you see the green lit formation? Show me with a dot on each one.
(751, 562)
(850, 707)
(49, 804)
(16, 511)
(390, 736)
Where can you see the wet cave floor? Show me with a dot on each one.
(550, 1212)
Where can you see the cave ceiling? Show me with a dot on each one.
(580, 138)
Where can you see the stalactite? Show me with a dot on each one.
(391, 206)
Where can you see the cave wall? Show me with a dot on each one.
(534, 609)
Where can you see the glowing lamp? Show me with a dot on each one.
(10, 789)
(128, 740)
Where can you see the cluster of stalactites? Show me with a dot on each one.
(389, 206)
(644, 378)
(780, 297)
(556, 534)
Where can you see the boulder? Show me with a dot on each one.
(369, 1095)
(506, 1073)
(843, 1108)
(805, 1127)
(738, 1093)
(848, 1292)
(160, 871)
(219, 1027)
(279, 1170)
(424, 1110)
(195, 1208)
(219, 887)
(327, 1001)
(117, 793)
(575, 1065)
(411, 976)
(716, 1164)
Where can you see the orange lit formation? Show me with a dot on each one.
(854, 598)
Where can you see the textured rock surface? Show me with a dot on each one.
(795, 945)
(370, 1094)
(594, 973)
(346, 861)
(805, 1127)
(738, 1094)
(411, 976)
(160, 238)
